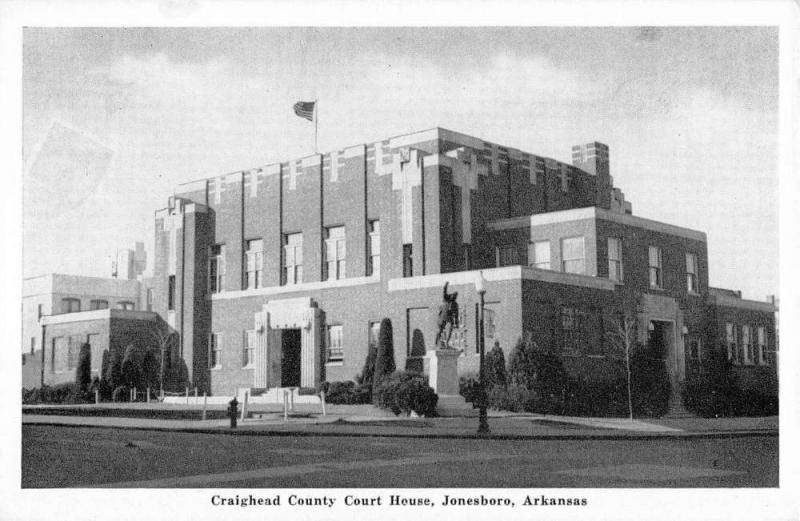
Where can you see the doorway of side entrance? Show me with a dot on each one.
(290, 358)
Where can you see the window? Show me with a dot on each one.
(572, 326)
(374, 249)
(171, 293)
(73, 349)
(335, 349)
(293, 258)
(731, 342)
(215, 350)
(216, 268)
(691, 273)
(58, 355)
(98, 304)
(40, 310)
(615, 259)
(539, 255)
(70, 305)
(572, 255)
(254, 264)
(655, 267)
(467, 249)
(249, 349)
(149, 299)
(506, 256)
(126, 305)
(408, 261)
(374, 333)
(335, 254)
(762, 345)
(747, 346)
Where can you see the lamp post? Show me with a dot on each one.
(483, 424)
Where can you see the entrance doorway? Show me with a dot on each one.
(290, 358)
(659, 338)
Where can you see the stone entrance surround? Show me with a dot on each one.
(275, 315)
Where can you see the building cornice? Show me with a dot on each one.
(295, 288)
(752, 305)
(595, 213)
(97, 314)
(508, 273)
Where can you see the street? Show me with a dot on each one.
(55, 457)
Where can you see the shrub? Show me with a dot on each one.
(596, 397)
(541, 371)
(106, 385)
(520, 366)
(468, 387)
(132, 366)
(61, 393)
(115, 369)
(83, 373)
(514, 398)
(362, 394)
(384, 361)
(339, 393)
(121, 394)
(650, 385)
(404, 392)
(367, 375)
(495, 367)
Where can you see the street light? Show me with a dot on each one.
(483, 424)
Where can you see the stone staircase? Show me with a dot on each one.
(677, 410)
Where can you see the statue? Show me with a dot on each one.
(447, 319)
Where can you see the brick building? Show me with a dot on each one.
(279, 275)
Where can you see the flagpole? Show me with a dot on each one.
(316, 123)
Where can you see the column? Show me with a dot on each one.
(311, 340)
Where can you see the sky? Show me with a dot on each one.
(114, 119)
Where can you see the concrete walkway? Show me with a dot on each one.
(369, 421)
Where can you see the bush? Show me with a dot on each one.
(514, 398)
(121, 394)
(468, 387)
(367, 375)
(650, 385)
(495, 367)
(346, 393)
(596, 397)
(83, 373)
(61, 393)
(384, 361)
(404, 392)
(520, 365)
(540, 371)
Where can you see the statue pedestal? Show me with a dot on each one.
(442, 365)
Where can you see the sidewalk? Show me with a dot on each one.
(369, 421)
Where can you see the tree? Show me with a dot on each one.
(384, 360)
(495, 367)
(132, 366)
(367, 375)
(83, 373)
(115, 369)
(622, 333)
(165, 340)
(106, 385)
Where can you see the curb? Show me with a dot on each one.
(513, 437)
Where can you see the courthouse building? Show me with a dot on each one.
(279, 275)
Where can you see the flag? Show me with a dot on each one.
(305, 109)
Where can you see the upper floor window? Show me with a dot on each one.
(408, 261)
(615, 259)
(374, 250)
(249, 348)
(731, 342)
(572, 255)
(506, 256)
(335, 345)
(293, 258)
(216, 268)
(70, 305)
(691, 273)
(254, 262)
(98, 304)
(335, 254)
(374, 333)
(126, 305)
(171, 293)
(539, 255)
(656, 275)
(215, 350)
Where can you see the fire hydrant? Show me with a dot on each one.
(233, 411)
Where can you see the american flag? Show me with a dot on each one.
(305, 109)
